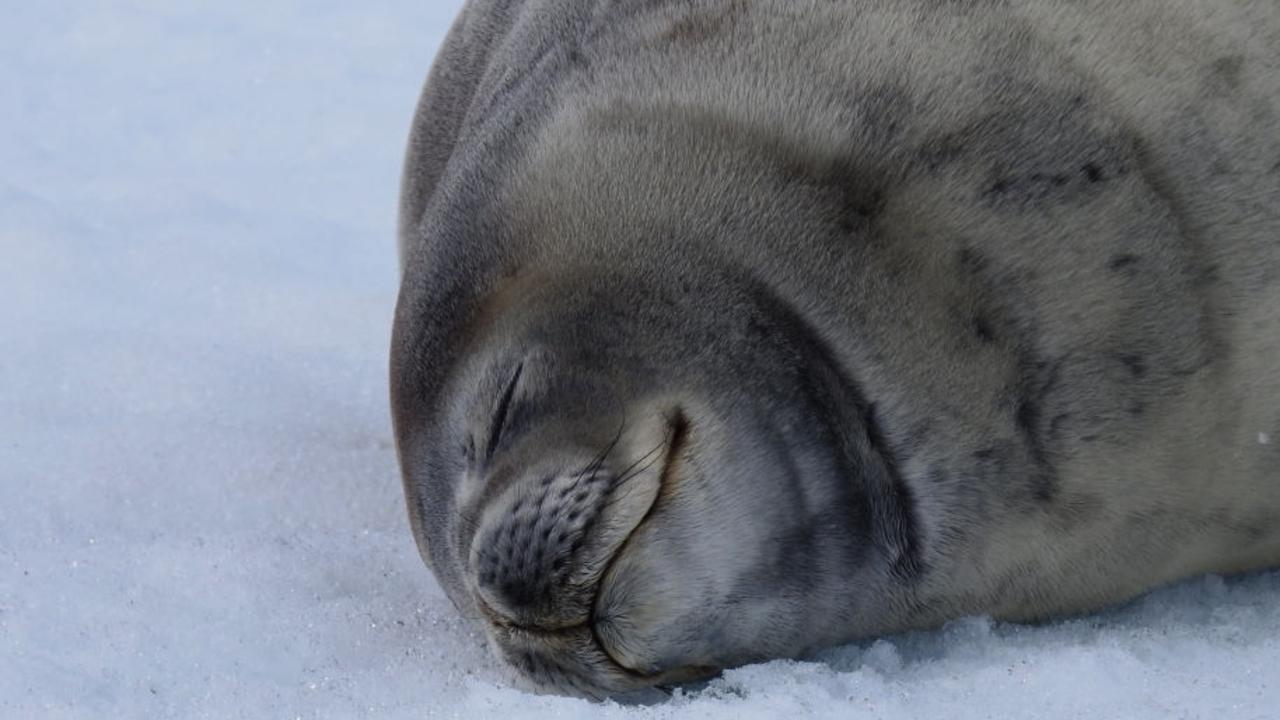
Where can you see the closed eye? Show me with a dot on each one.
(500, 417)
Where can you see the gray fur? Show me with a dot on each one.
(732, 329)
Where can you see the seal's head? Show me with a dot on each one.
(637, 478)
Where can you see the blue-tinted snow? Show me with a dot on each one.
(199, 510)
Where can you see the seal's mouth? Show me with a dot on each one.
(678, 431)
(576, 657)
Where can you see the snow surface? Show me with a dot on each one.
(200, 515)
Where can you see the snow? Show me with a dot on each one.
(200, 514)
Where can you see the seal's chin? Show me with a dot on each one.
(572, 643)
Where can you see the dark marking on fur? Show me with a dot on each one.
(1041, 185)
(1027, 417)
(1039, 379)
(982, 329)
(1034, 150)
(1188, 372)
(1122, 262)
(859, 207)
(938, 153)
(703, 24)
(1225, 75)
(855, 194)
(877, 115)
(1136, 364)
(995, 461)
(1221, 167)
(1055, 425)
(1202, 276)
(971, 260)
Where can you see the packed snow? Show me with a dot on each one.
(200, 514)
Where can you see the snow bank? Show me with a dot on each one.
(199, 509)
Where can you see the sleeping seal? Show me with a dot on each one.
(732, 329)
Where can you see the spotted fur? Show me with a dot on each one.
(732, 329)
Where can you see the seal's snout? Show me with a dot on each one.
(528, 554)
(543, 546)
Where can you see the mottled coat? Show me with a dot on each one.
(730, 329)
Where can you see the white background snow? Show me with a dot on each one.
(200, 514)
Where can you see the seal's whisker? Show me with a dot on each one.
(599, 460)
(634, 472)
(622, 476)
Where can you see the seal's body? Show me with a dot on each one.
(730, 329)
